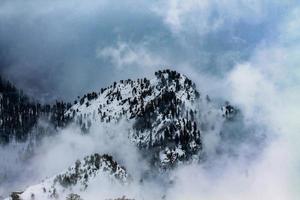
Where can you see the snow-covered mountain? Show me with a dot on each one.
(76, 178)
(163, 111)
(168, 117)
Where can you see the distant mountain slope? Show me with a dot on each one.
(19, 114)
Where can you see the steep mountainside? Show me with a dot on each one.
(162, 109)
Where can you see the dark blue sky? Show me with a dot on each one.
(61, 49)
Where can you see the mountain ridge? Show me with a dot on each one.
(167, 124)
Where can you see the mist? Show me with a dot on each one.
(240, 51)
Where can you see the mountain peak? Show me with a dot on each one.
(162, 109)
(76, 178)
(115, 101)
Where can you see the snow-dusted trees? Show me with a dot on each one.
(19, 114)
(73, 196)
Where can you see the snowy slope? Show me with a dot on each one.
(76, 179)
(163, 110)
(118, 100)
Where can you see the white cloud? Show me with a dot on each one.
(266, 89)
(263, 179)
(205, 16)
(124, 55)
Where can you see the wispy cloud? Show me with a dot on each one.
(124, 55)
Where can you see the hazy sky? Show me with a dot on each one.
(66, 48)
